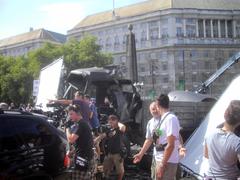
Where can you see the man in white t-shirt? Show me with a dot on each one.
(167, 142)
(151, 125)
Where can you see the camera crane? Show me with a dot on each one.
(204, 86)
(200, 94)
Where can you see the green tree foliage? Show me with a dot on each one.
(17, 74)
(46, 54)
(16, 79)
(85, 53)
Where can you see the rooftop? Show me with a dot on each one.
(156, 5)
(34, 35)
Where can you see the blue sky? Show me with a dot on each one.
(17, 16)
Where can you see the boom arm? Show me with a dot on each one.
(232, 60)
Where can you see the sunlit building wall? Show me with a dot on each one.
(180, 43)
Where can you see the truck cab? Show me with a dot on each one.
(102, 83)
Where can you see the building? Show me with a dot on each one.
(23, 43)
(180, 43)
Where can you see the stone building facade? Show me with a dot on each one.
(180, 43)
(23, 43)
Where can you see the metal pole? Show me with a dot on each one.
(152, 71)
(113, 11)
(184, 80)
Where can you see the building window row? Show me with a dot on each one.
(207, 28)
(188, 27)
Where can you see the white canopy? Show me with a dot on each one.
(194, 159)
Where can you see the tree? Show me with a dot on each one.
(16, 79)
(84, 53)
(17, 74)
(46, 54)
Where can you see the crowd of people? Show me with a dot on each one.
(222, 147)
(162, 131)
(23, 107)
(82, 131)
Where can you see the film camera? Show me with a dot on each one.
(105, 128)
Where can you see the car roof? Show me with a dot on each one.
(38, 117)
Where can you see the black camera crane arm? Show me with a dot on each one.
(232, 60)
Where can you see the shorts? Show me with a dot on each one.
(169, 172)
(84, 175)
(113, 160)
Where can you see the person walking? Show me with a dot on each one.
(79, 135)
(222, 146)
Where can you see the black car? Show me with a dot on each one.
(30, 147)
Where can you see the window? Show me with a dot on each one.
(193, 54)
(215, 28)
(124, 39)
(143, 35)
(238, 28)
(162, 55)
(179, 20)
(143, 25)
(152, 55)
(165, 79)
(153, 24)
(164, 67)
(206, 53)
(181, 84)
(108, 43)
(142, 57)
(191, 27)
(222, 28)
(179, 32)
(154, 33)
(200, 28)
(180, 55)
(21, 132)
(191, 30)
(208, 28)
(116, 41)
(142, 69)
(164, 22)
(164, 33)
(190, 21)
(230, 28)
(8, 137)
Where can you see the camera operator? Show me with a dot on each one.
(114, 147)
(79, 135)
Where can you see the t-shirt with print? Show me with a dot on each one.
(151, 126)
(170, 126)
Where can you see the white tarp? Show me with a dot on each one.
(49, 83)
(194, 159)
